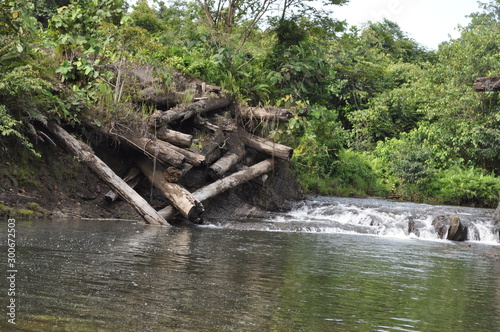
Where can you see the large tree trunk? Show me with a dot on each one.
(224, 184)
(181, 199)
(86, 156)
(185, 111)
(273, 149)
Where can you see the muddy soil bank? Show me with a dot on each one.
(56, 185)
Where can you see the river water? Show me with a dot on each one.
(329, 265)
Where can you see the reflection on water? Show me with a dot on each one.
(117, 276)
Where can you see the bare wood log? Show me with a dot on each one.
(185, 111)
(205, 124)
(212, 150)
(491, 83)
(161, 150)
(191, 157)
(267, 114)
(181, 199)
(86, 156)
(132, 178)
(174, 137)
(224, 164)
(220, 186)
(274, 149)
(236, 151)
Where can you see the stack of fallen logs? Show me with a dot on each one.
(164, 156)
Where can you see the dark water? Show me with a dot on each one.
(79, 275)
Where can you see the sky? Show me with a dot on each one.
(428, 22)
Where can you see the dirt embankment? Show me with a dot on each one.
(225, 139)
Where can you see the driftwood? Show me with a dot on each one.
(190, 156)
(235, 152)
(161, 150)
(222, 185)
(224, 164)
(86, 156)
(185, 111)
(267, 114)
(174, 137)
(180, 198)
(483, 84)
(273, 149)
(132, 178)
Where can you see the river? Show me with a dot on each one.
(331, 264)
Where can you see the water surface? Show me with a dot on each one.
(81, 275)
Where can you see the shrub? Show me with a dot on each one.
(465, 186)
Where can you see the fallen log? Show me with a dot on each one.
(235, 152)
(491, 83)
(181, 199)
(220, 186)
(267, 114)
(83, 152)
(224, 164)
(185, 111)
(174, 137)
(191, 157)
(261, 144)
(132, 178)
(159, 149)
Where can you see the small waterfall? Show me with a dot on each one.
(383, 218)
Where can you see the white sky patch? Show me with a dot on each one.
(429, 22)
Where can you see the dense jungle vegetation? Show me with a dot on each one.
(377, 113)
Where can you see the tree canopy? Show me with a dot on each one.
(377, 113)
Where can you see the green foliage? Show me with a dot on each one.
(353, 176)
(375, 111)
(145, 17)
(465, 186)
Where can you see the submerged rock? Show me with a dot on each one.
(457, 231)
(441, 224)
(451, 227)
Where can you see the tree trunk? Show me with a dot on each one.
(161, 150)
(224, 164)
(267, 114)
(132, 178)
(191, 157)
(185, 111)
(224, 184)
(274, 149)
(86, 156)
(180, 198)
(173, 137)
